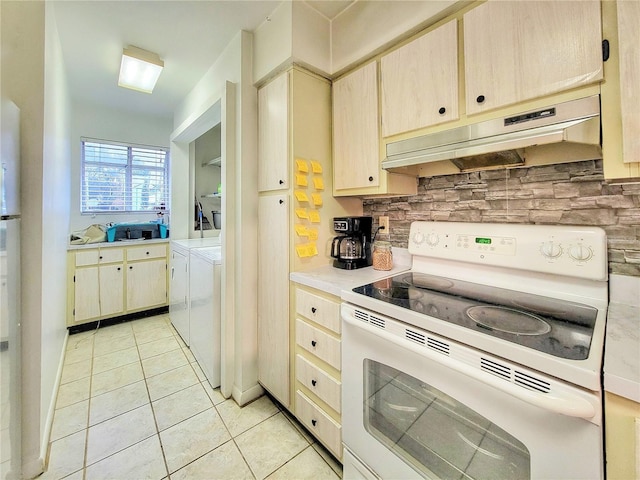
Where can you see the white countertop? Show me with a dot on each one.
(333, 280)
(622, 344)
(197, 242)
(117, 243)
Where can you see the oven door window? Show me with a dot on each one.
(434, 433)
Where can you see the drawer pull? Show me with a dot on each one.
(147, 253)
(100, 257)
(314, 422)
(313, 343)
(130, 268)
(313, 309)
(118, 268)
(314, 382)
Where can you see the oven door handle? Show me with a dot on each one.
(564, 402)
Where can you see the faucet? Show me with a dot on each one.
(199, 207)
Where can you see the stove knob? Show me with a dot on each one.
(432, 239)
(580, 253)
(418, 238)
(551, 249)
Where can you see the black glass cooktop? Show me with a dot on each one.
(557, 327)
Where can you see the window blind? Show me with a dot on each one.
(119, 177)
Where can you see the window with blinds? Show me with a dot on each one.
(118, 177)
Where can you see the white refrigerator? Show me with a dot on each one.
(10, 363)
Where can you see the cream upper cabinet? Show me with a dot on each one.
(273, 135)
(420, 82)
(520, 50)
(356, 149)
(356, 139)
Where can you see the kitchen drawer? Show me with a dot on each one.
(320, 310)
(96, 256)
(319, 382)
(146, 252)
(325, 428)
(321, 344)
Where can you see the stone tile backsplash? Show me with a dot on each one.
(562, 194)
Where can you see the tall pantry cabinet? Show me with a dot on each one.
(295, 210)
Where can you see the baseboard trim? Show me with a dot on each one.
(246, 396)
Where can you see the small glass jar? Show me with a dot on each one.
(382, 255)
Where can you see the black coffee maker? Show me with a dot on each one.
(352, 249)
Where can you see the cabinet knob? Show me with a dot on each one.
(313, 382)
(130, 267)
(314, 422)
(118, 268)
(313, 309)
(281, 182)
(280, 201)
(442, 110)
(480, 98)
(313, 343)
(147, 253)
(100, 257)
(371, 179)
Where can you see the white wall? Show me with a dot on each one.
(55, 214)
(33, 78)
(107, 124)
(196, 114)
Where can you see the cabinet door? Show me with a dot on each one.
(516, 51)
(87, 294)
(273, 295)
(273, 135)
(111, 289)
(628, 22)
(356, 158)
(420, 82)
(146, 284)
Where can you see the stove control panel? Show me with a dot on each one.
(563, 250)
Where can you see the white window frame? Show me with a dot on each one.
(127, 196)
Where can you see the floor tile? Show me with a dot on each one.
(181, 405)
(103, 346)
(73, 392)
(113, 360)
(225, 462)
(269, 445)
(301, 430)
(114, 331)
(239, 419)
(142, 460)
(163, 362)
(75, 371)
(80, 353)
(118, 401)
(79, 475)
(150, 322)
(118, 433)
(214, 393)
(150, 334)
(306, 465)
(191, 439)
(335, 465)
(80, 340)
(157, 347)
(115, 378)
(189, 354)
(70, 419)
(66, 456)
(198, 371)
(170, 382)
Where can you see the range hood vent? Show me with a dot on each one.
(499, 142)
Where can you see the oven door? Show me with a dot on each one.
(415, 407)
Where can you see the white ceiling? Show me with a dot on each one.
(187, 35)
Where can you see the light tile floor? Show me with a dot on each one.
(133, 403)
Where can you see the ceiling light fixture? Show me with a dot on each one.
(139, 69)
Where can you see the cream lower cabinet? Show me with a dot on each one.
(622, 420)
(99, 288)
(318, 388)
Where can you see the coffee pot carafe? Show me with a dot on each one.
(352, 249)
